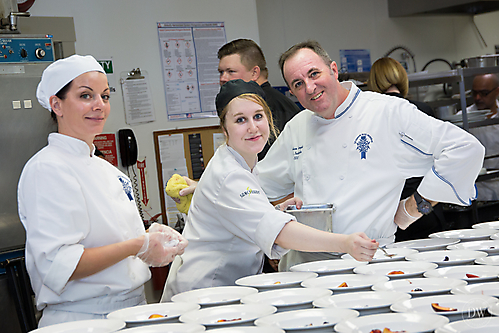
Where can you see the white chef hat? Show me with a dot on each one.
(61, 72)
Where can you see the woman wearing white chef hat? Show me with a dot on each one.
(87, 252)
(231, 223)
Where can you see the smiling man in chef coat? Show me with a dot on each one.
(355, 149)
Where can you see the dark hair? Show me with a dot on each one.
(309, 44)
(251, 54)
(61, 94)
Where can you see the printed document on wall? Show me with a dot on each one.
(188, 52)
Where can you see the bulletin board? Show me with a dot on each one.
(203, 135)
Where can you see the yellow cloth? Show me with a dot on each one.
(174, 185)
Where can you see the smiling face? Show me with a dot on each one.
(83, 112)
(231, 68)
(314, 83)
(246, 128)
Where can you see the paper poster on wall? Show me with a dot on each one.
(137, 98)
(355, 61)
(188, 52)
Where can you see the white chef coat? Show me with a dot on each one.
(489, 137)
(230, 225)
(69, 200)
(359, 162)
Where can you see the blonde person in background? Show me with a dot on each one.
(387, 76)
(87, 252)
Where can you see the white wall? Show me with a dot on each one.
(126, 30)
(364, 24)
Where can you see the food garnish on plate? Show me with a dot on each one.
(156, 315)
(417, 289)
(439, 308)
(386, 330)
(471, 276)
(277, 282)
(446, 258)
(343, 285)
(395, 272)
(227, 320)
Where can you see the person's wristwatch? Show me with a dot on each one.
(424, 207)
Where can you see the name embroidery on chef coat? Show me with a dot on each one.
(297, 151)
(363, 141)
(248, 192)
(126, 187)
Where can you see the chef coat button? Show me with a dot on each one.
(307, 177)
(342, 177)
(344, 145)
(132, 276)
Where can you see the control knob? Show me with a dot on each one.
(24, 53)
(40, 53)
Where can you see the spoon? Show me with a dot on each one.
(386, 253)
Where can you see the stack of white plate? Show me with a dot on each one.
(420, 286)
(287, 299)
(468, 273)
(486, 288)
(308, 320)
(326, 267)
(345, 283)
(84, 326)
(487, 225)
(425, 244)
(448, 257)
(490, 246)
(214, 296)
(271, 281)
(365, 302)
(397, 269)
(139, 315)
(465, 235)
(399, 322)
(459, 306)
(227, 315)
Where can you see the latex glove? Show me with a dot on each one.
(402, 218)
(161, 245)
(360, 247)
(293, 201)
(173, 187)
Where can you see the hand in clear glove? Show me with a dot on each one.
(402, 218)
(161, 245)
(292, 201)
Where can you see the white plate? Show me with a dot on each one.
(355, 282)
(486, 225)
(425, 244)
(84, 326)
(248, 329)
(394, 254)
(410, 322)
(270, 281)
(489, 246)
(447, 257)
(428, 286)
(215, 295)
(493, 261)
(287, 299)
(322, 320)
(465, 235)
(486, 288)
(140, 314)
(323, 267)
(235, 314)
(366, 302)
(484, 273)
(475, 325)
(495, 236)
(494, 309)
(409, 269)
(467, 306)
(167, 328)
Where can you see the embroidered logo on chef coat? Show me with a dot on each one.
(363, 141)
(248, 192)
(297, 151)
(126, 187)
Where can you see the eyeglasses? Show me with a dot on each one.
(482, 93)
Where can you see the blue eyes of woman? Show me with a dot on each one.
(257, 116)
